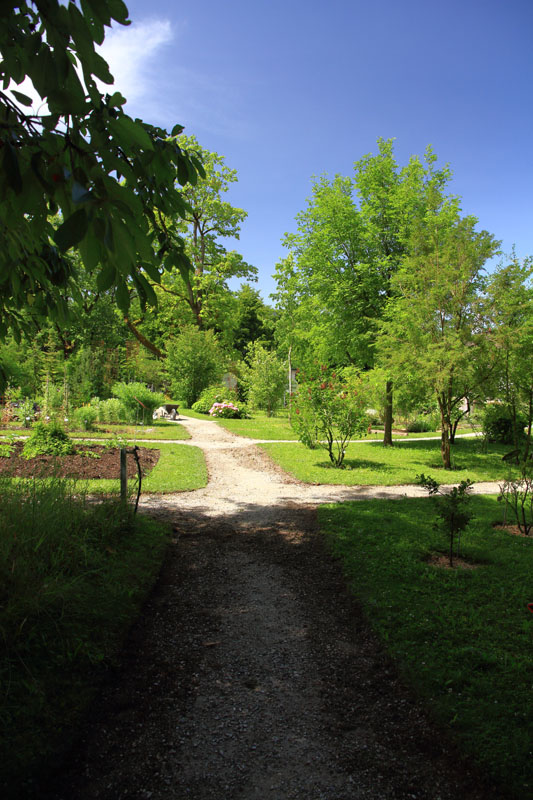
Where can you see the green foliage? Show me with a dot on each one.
(422, 424)
(47, 439)
(499, 424)
(73, 575)
(452, 508)
(227, 411)
(194, 362)
(138, 400)
(24, 412)
(112, 178)
(213, 394)
(84, 418)
(329, 411)
(111, 410)
(265, 378)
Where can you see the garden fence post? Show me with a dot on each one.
(123, 475)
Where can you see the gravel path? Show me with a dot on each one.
(252, 674)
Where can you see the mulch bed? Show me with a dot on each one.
(88, 462)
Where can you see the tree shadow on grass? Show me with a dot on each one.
(350, 464)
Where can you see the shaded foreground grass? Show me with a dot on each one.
(368, 464)
(73, 575)
(462, 638)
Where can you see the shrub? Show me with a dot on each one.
(111, 410)
(226, 411)
(138, 399)
(25, 412)
(194, 362)
(84, 418)
(212, 395)
(329, 412)
(498, 424)
(420, 424)
(266, 379)
(47, 439)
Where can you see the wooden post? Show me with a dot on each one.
(123, 476)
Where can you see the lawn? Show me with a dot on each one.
(158, 429)
(370, 463)
(279, 428)
(180, 468)
(463, 638)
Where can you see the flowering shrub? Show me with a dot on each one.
(212, 395)
(225, 411)
(329, 411)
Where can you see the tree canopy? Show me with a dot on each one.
(112, 179)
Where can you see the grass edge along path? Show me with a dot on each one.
(371, 464)
(463, 638)
(75, 575)
(180, 468)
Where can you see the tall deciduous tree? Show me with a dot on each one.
(434, 333)
(209, 220)
(350, 241)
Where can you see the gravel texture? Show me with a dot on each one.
(252, 674)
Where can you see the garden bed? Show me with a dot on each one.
(88, 462)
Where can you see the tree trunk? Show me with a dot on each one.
(445, 435)
(290, 384)
(387, 433)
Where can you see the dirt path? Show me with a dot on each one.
(252, 675)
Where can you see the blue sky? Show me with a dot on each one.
(288, 90)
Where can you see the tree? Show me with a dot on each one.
(113, 179)
(209, 218)
(194, 361)
(350, 241)
(434, 332)
(266, 378)
(509, 298)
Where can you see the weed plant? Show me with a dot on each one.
(73, 573)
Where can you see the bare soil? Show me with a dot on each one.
(252, 673)
(88, 462)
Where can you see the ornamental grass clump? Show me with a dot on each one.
(329, 412)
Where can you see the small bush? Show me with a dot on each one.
(47, 440)
(84, 418)
(498, 424)
(111, 410)
(226, 411)
(211, 395)
(24, 412)
(138, 399)
(420, 425)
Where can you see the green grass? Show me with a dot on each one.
(262, 427)
(158, 429)
(73, 576)
(462, 638)
(180, 468)
(370, 463)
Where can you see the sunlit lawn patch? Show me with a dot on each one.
(370, 463)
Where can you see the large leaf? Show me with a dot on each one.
(72, 230)
(131, 132)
